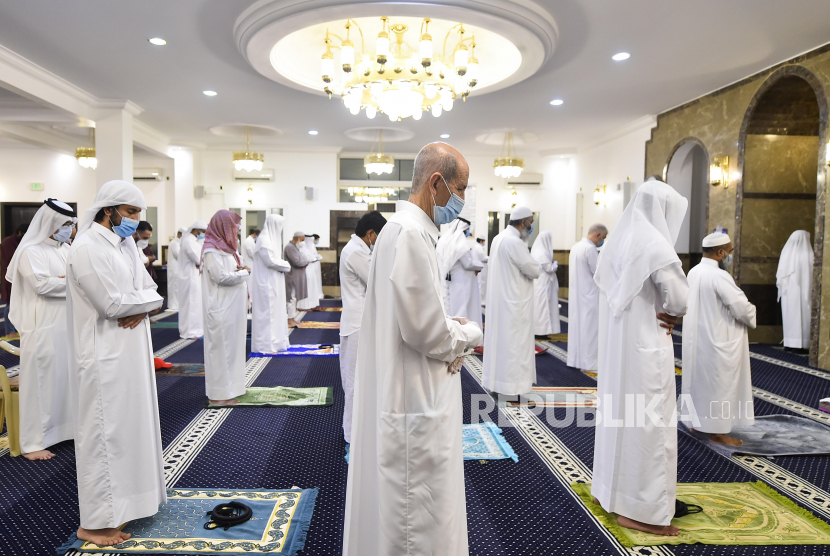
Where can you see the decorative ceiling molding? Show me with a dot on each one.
(526, 24)
(370, 134)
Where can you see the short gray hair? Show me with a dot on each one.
(433, 158)
(598, 228)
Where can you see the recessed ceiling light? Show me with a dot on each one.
(557, 102)
(445, 136)
(210, 93)
(620, 56)
(157, 41)
(312, 132)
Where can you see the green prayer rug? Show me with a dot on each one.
(281, 396)
(733, 514)
(164, 324)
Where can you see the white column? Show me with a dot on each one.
(183, 170)
(114, 146)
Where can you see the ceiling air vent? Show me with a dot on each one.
(148, 174)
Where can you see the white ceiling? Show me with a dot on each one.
(679, 51)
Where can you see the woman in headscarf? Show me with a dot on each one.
(795, 289)
(225, 309)
(642, 293)
(545, 287)
(38, 311)
(269, 326)
(314, 285)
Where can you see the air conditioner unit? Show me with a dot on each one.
(525, 180)
(266, 174)
(148, 174)
(383, 207)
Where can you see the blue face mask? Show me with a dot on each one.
(601, 242)
(445, 215)
(467, 233)
(201, 236)
(127, 227)
(525, 233)
(64, 234)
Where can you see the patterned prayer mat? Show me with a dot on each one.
(280, 396)
(558, 337)
(279, 525)
(183, 369)
(327, 310)
(485, 441)
(319, 324)
(733, 514)
(305, 350)
(556, 396)
(537, 350)
(164, 324)
(775, 435)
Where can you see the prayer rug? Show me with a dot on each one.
(481, 441)
(279, 525)
(327, 310)
(537, 350)
(164, 324)
(556, 396)
(733, 514)
(775, 435)
(485, 441)
(558, 337)
(183, 369)
(319, 324)
(280, 396)
(304, 350)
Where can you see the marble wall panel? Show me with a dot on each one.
(768, 223)
(759, 272)
(780, 164)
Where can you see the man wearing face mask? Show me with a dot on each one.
(38, 310)
(716, 371)
(583, 300)
(142, 237)
(406, 470)
(509, 355)
(117, 436)
(355, 260)
(190, 282)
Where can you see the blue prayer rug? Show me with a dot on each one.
(481, 441)
(304, 350)
(279, 525)
(485, 441)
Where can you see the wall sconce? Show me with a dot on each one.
(599, 194)
(719, 171)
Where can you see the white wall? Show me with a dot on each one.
(611, 162)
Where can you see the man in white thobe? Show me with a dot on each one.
(173, 252)
(795, 289)
(405, 492)
(269, 321)
(248, 245)
(225, 307)
(355, 260)
(459, 267)
(545, 287)
(583, 300)
(716, 373)
(481, 258)
(509, 346)
(643, 291)
(190, 282)
(117, 437)
(38, 311)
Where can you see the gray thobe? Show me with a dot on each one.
(295, 280)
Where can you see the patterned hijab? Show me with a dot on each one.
(222, 234)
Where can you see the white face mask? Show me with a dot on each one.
(142, 243)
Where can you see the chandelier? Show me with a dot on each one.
(86, 155)
(379, 162)
(508, 166)
(399, 80)
(247, 160)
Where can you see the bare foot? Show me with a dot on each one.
(39, 455)
(292, 323)
(596, 501)
(725, 439)
(664, 530)
(103, 537)
(223, 402)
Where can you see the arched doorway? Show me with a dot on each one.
(688, 172)
(782, 138)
